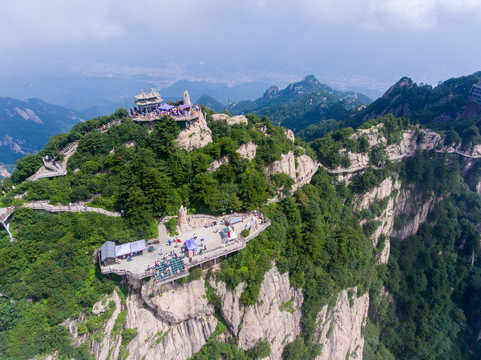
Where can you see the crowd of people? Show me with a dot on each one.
(169, 268)
(154, 111)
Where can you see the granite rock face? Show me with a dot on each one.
(340, 327)
(264, 320)
(196, 136)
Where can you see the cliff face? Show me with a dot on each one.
(247, 151)
(412, 140)
(340, 327)
(413, 210)
(196, 136)
(174, 324)
(264, 320)
(386, 193)
(178, 322)
(230, 120)
(300, 169)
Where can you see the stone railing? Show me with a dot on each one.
(200, 216)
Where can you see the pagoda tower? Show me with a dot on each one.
(152, 98)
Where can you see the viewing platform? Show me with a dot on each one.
(153, 117)
(168, 252)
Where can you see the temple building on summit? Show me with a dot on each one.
(144, 100)
(151, 108)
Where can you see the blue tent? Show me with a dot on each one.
(165, 107)
(191, 245)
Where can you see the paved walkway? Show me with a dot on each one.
(46, 170)
(40, 205)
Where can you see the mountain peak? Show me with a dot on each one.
(404, 82)
(271, 92)
(311, 78)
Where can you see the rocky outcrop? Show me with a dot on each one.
(197, 135)
(412, 140)
(230, 120)
(301, 169)
(130, 143)
(296, 168)
(247, 151)
(286, 165)
(290, 135)
(340, 327)
(275, 318)
(422, 139)
(3, 172)
(214, 165)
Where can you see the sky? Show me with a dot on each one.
(345, 42)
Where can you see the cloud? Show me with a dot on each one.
(56, 22)
(365, 37)
(413, 15)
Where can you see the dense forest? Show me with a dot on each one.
(423, 302)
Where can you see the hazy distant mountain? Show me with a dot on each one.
(26, 126)
(301, 104)
(102, 95)
(211, 103)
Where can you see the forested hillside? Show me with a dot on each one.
(391, 216)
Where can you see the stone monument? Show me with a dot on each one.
(186, 98)
(182, 219)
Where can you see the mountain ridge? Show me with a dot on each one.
(26, 126)
(301, 103)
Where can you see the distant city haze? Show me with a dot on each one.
(60, 51)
